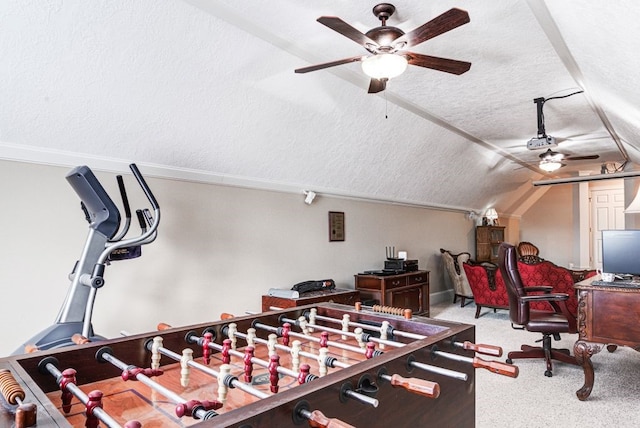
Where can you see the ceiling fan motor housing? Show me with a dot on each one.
(384, 37)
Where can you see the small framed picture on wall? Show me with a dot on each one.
(336, 226)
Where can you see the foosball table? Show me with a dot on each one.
(328, 365)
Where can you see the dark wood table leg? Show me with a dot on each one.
(583, 352)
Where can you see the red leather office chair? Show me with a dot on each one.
(547, 323)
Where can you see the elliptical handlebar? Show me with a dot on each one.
(145, 187)
(127, 209)
(96, 279)
(153, 223)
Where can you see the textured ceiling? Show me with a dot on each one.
(209, 86)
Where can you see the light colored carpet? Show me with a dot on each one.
(534, 400)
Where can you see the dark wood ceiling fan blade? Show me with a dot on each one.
(449, 20)
(377, 85)
(328, 64)
(441, 64)
(589, 157)
(337, 24)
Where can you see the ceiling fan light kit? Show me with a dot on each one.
(549, 165)
(384, 66)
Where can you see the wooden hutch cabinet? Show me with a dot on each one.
(407, 290)
(488, 239)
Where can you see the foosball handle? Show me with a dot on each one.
(28, 349)
(496, 367)
(318, 420)
(493, 350)
(79, 339)
(163, 326)
(26, 413)
(422, 387)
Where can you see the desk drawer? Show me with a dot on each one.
(418, 278)
(395, 282)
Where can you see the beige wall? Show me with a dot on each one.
(219, 249)
(549, 224)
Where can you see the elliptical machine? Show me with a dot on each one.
(103, 244)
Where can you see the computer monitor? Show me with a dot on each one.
(621, 252)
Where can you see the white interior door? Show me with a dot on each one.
(607, 212)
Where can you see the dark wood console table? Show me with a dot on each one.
(606, 316)
(336, 295)
(407, 291)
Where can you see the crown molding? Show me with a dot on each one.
(59, 158)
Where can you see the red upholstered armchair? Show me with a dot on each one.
(489, 289)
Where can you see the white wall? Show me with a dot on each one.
(219, 249)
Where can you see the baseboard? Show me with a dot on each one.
(440, 297)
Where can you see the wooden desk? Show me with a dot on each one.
(408, 290)
(336, 295)
(606, 316)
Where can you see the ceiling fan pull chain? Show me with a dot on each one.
(386, 106)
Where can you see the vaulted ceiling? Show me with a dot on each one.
(208, 87)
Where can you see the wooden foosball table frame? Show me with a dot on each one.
(455, 405)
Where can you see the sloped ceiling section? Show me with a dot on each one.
(209, 87)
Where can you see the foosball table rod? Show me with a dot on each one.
(197, 409)
(66, 380)
(318, 340)
(26, 413)
(232, 327)
(414, 385)
(357, 334)
(493, 366)
(328, 361)
(411, 361)
(232, 381)
(497, 367)
(273, 365)
(493, 350)
(323, 359)
(370, 352)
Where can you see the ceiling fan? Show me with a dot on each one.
(551, 161)
(385, 44)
